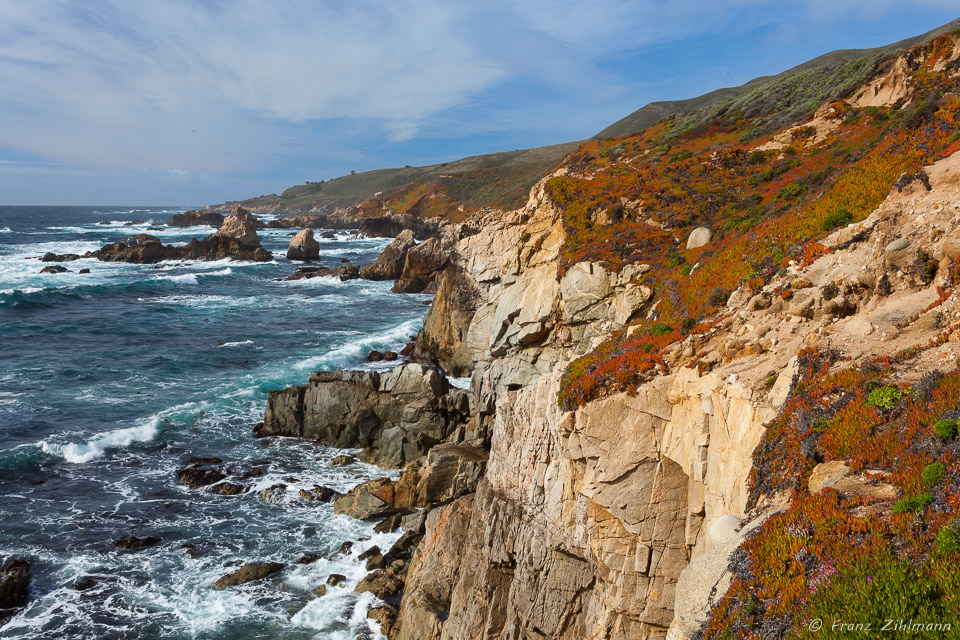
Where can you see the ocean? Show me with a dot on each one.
(110, 381)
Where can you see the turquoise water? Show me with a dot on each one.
(110, 381)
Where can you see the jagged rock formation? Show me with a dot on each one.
(396, 417)
(389, 265)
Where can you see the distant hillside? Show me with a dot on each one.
(834, 61)
(495, 179)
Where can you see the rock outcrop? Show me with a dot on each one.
(303, 246)
(395, 417)
(237, 239)
(389, 265)
(422, 267)
(392, 225)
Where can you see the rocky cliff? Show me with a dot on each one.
(701, 439)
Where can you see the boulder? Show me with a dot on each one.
(200, 472)
(14, 582)
(346, 272)
(422, 268)
(54, 269)
(320, 494)
(698, 238)
(248, 573)
(335, 578)
(383, 584)
(194, 218)
(303, 246)
(343, 460)
(389, 266)
(372, 499)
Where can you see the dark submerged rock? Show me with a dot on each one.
(135, 543)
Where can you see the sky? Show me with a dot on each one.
(176, 102)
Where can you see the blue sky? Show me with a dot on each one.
(188, 102)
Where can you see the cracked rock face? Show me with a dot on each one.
(396, 416)
(584, 522)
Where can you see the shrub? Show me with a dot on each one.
(686, 269)
(836, 220)
(660, 329)
(687, 325)
(946, 429)
(718, 297)
(884, 397)
(829, 291)
(914, 504)
(948, 540)
(933, 474)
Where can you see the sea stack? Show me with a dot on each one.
(303, 246)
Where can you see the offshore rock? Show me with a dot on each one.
(389, 266)
(194, 218)
(303, 246)
(59, 257)
(248, 573)
(344, 273)
(139, 249)
(135, 543)
(236, 239)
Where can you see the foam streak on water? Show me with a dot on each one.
(111, 380)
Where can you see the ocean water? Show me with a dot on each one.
(110, 381)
